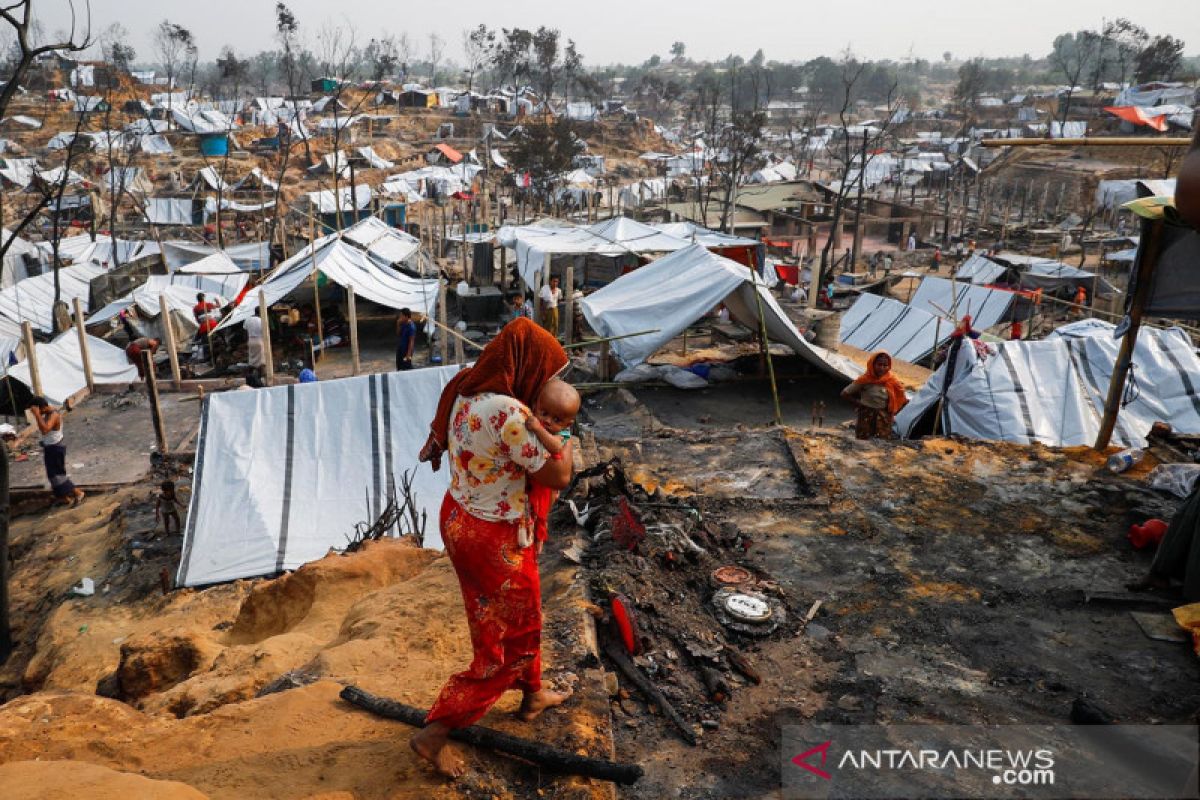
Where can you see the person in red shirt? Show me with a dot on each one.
(1015, 331)
(204, 312)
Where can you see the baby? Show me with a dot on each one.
(553, 413)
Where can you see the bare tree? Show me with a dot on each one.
(478, 44)
(437, 48)
(176, 49)
(853, 150)
(382, 56)
(28, 45)
(406, 51)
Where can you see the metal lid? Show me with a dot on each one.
(731, 575)
(747, 607)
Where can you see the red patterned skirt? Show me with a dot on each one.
(502, 594)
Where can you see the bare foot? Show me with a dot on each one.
(430, 744)
(534, 704)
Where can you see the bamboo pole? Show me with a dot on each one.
(1147, 259)
(84, 354)
(1093, 141)
(766, 346)
(320, 325)
(35, 376)
(268, 357)
(351, 309)
(160, 431)
(444, 343)
(569, 310)
(169, 335)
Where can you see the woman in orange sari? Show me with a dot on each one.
(879, 396)
(487, 527)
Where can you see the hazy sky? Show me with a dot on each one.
(629, 30)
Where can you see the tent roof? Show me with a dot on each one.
(346, 266)
(881, 323)
(283, 474)
(673, 292)
(452, 155)
(217, 263)
(60, 366)
(942, 298)
(1053, 391)
(691, 232)
(979, 270)
(389, 244)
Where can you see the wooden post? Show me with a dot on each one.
(1148, 252)
(443, 336)
(35, 377)
(460, 357)
(168, 327)
(84, 354)
(320, 327)
(350, 307)
(543, 280)
(268, 358)
(605, 349)
(160, 432)
(569, 310)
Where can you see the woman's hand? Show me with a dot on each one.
(431, 452)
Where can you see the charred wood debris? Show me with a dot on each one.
(680, 605)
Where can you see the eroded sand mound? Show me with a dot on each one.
(69, 780)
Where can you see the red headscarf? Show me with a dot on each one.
(896, 398)
(517, 363)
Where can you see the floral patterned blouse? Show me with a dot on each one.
(491, 455)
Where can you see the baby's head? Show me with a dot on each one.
(556, 406)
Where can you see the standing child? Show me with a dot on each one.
(166, 507)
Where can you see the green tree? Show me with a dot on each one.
(544, 151)
(1160, 60)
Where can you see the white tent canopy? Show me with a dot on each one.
(216, 264)
(881, 323)
(180, 290)
(979, 270)
(941, 298)
(60, 366)
(1053, 391)
(391, 245)
(284, 474)
(251, 256)
(32, 300)
(691, 232)
(347, 266)
(673, 292)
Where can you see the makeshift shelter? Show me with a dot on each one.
(389, 245)
(216, 264)
(180, 290)
(60, 366)
(349, 267)
(170, 211)
(942, 298)
(881, 323)
(1053, 391)
(20, 256)
(372, 159)
(32, 300)
(980, 270)
(250, 256)
(673, 292)
(284, 474)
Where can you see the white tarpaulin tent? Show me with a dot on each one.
(881, 323)
(980, 270)
(1053, 391)
(284, 474)
(15, 268)
(347, 266)
(940, 297)
(612, 237)
(216, 264)
(671, 293)
(180, 290)
(169, 210)
(252, 256)
(390, 245)
(32, 300)
(60, 366)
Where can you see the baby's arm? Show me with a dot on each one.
(549, 441)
